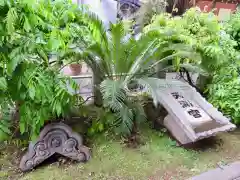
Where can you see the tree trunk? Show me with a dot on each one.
(97, 79)
(16, 115)
(133, 140)
(161, 74)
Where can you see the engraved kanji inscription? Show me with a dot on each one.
(195, 113)
(185, 103)
(176, 95)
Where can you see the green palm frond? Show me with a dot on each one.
(140, 60)
(181, 54)
(124, 120)
(117, 41)
(98, 54)
(97, 28)
(151, 86)
(117, 33)
(115, 99)
(113, 94)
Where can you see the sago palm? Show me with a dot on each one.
(121, 64)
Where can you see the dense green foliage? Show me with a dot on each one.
(38, 37)
(30, 33)
(233, 28)
(200, 30)
(125, 64)
(224, 90)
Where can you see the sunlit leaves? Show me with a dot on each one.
(32, 30)
(3, 83)
(201, 32)
(233, 28)
(26, 26)
(224, 92)
(11, 20)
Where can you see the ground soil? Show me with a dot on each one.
(158, 158)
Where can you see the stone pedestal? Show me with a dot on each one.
(55, 138)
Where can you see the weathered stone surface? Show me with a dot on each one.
(229, 172)
(190, 117)
(55, 138)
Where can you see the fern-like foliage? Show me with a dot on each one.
(202, 32)
(115, 96)
(6, 110)
(31, 32)
(232, 27)
(122, 63)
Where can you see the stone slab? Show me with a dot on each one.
(228, 172)
(191, 117)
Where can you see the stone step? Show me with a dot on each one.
(228, 172)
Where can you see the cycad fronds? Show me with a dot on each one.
(124, 120)
(113, 94)
(125, 61)
(151, 86)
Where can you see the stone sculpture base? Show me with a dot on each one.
(54, 138)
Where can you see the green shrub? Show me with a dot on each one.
(224, 92)
(121, 64)
(30, 32)
(233, 28)
(200, 30)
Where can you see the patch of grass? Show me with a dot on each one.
(157, 159)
